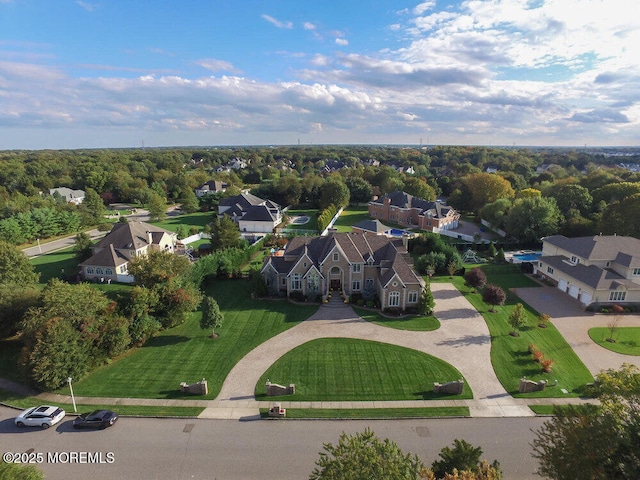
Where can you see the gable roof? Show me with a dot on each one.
(600, 247)
(387, 254)
(406, 200)
(132, 236)
(591, 275)
(375, 226)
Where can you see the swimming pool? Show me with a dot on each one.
(396, 233)
(527, 257)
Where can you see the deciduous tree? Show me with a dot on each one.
(364, 456)
(212, 317)
(494, 296)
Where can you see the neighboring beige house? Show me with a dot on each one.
(71, 196)
(351, 262)
(601, 269)
(409, 211)
(251, 213)
(212, 186)
(125, 241)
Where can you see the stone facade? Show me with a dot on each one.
(349, 262)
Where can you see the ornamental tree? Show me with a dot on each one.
(494, 296)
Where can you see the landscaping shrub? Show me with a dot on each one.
(298, 296)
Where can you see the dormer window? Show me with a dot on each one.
(575, 259)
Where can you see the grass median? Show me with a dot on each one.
(345, 369)
(371, 413)
(626, 340)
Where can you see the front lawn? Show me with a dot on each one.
(626, 339)
(509, 355)
(187, 354)
(341, 369)
(416, 323)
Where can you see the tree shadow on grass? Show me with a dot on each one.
(165, 340)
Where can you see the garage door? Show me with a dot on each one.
(573, 291)
(562, 285)
(585, 298)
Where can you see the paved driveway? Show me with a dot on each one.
(463, 340)
(574, 323)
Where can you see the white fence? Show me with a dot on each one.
(502, 233)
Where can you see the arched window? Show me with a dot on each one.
(394, 299)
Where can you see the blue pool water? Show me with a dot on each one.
(527, 257)
(396, 233)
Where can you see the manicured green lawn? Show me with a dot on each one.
(56, 264)
(186, 353)
(372, 413)
(197, 220)
(627, 339)
(18, 401)
(341, 369)
(350, 216)
(415, 323)
(509, 355)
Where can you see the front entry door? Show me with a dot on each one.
(335, 284)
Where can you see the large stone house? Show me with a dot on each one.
(125, 241)
(251, 213)
(601, 269)
(409, 211)
(352, 262)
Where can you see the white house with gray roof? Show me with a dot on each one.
(601, 269)
(251, 213)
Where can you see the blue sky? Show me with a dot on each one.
(117, 73)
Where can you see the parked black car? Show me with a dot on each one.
(96, 419)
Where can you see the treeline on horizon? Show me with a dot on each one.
(531, 192)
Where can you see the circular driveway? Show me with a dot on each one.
(574, 323)
(463, 340)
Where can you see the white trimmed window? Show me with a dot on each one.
(296, 281)
(617, 296)
(394, 299)
(355, 285)
(336, 257)
(413, 297)
(356, 267)
(549, 270)
(636, 271)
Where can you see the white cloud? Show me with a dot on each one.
(216, 65)
(89, 7)
(423, 7)
(309, 26)
(276, 22)
(342, 42)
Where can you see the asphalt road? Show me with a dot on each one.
(181, 449)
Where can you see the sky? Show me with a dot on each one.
(123, 73)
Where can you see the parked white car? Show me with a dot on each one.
(43, 416)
